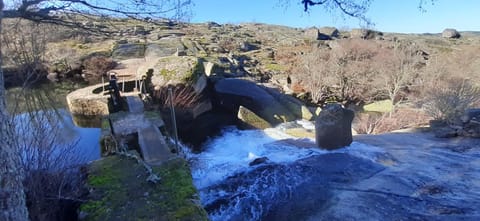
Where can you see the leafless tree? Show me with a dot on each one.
(397, 68)
(343, 73)
(49, 157)
(314, 74)
(450, 101)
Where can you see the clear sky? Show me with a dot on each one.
(388, 15)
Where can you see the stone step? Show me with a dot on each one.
(153, 146)
(135, 104)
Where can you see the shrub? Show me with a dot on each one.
(98, 65)
(183, 97)
(376, 123)
(448, 103)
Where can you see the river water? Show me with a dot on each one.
(54, 133)
(45, 127)
(394, 177)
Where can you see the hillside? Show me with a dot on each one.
(316, 65)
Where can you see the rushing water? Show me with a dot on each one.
(408, 180)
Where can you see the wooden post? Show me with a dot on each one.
(174, 121)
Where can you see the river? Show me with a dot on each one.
(45, 127)
(402, 176)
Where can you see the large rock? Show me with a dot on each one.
(312, 33)
(331, 32)
(295, 106)
(163, 48)
(471, 123)
(471, 114)
(333, 127)
(129, 50)
(450, 33)
(365, 33)
(175, 70)
(251, 119)
(231, 93)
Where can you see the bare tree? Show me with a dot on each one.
(314, 74)
(342, 73)
(69, 12)
(49, 156)
(397, 68)
(12, 197)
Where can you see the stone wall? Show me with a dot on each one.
(85, 102)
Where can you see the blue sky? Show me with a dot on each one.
(388, 15)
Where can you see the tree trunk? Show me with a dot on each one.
(12, 197)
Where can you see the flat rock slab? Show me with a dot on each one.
(154, 149)
(135, 104)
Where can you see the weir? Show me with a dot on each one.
(152, 144)
(125, 119)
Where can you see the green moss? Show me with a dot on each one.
(251, 119)
(95, 209)
(121, 192)
(168, 74)
(194, 73)
(105, 124)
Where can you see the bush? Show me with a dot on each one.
(376, 123)
(183, 97)
(450, 102)
(98, 65)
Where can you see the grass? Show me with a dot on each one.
(275, 67)
(384, 106)
(120, 192)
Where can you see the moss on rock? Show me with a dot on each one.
(119, 191)
(251, 119)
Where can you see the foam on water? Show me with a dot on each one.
(235, 149)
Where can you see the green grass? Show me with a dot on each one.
(275, 67)
(121, 192)
(384, 106)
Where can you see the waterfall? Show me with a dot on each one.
(231, 189)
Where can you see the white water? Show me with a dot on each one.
(232, 152)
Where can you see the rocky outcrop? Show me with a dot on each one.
(295, 106)
(471, 123)
(331, 32)
(468, 125)
(312, 33)
(450, 33)
(258, 161)
(163, 48)
(175, 70)
(128, 50)
(324, 33)
(333, 127)
(231, 93)
(365, 33)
